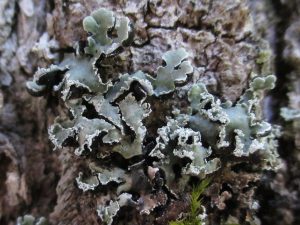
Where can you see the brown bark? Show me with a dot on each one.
(224, 44)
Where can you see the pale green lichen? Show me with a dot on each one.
(124, 83)
(101, 176)
(78, 75)
(289, 114)
(133, 114)
(103, 26)
(30, 220)
(45, 79)
(223, 124)
(107, 118)
(107, 213)
(89, 183)
(175, 71)
(83, 130)
(105, 109)
(188, 146)
(77, 72)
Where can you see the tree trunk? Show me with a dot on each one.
(227, 42)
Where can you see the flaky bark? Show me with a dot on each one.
(225, 42)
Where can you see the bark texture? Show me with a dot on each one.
(226, 40)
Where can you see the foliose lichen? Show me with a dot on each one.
(289, 114)
(224, 124)
(30, 220)
(107, 32)
(106, 120)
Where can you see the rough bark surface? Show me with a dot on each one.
(225, 41)
(279, 193)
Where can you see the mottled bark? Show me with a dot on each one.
(278, 22)
(225, 41)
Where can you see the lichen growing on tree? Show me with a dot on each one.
(106, 118)
(175, 92)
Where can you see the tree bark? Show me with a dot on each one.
(225, 41)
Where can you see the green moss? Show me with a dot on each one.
(192, 217)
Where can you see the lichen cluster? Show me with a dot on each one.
(106, 121)
(30, 220)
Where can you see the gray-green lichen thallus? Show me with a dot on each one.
(109, 114)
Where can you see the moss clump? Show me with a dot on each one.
(193, 216)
